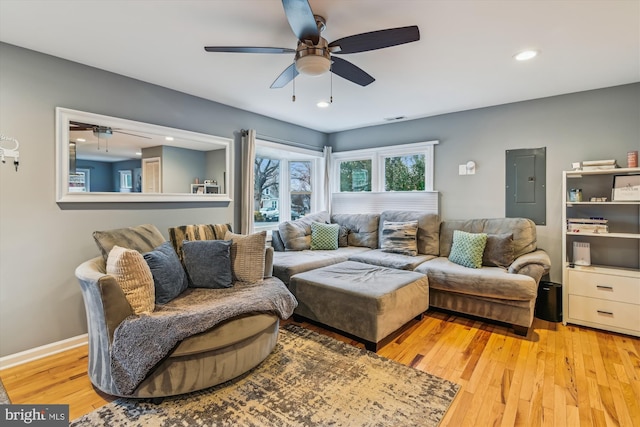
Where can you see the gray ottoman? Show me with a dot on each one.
(363, 300)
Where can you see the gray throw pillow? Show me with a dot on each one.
(343, 237)
(276, 241)
(208, 263)
(169, 278)
(296, 235)
(499, 251)
(142, 238)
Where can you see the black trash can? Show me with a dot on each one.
(549, 302)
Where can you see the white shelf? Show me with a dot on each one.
(618, 171)
(569, 204)
(617, 235)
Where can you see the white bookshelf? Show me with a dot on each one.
(606, 294)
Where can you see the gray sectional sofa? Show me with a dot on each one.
(503, 289)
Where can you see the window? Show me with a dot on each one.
(406, 167)
(126, 181)
(355, 175)
(285, 186)
(404, 173)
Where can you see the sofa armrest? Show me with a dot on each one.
(268, 262)
(525, 262)
(105, 303)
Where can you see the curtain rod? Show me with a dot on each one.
(282, 141)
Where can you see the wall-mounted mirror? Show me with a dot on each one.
(108, 159)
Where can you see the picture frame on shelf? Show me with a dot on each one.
(626, 188)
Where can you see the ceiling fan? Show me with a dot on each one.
(315, 56)
(100, 131)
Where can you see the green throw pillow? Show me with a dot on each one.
(324, 236)
(467, 248)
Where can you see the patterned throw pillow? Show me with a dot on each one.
(400, 237)
(247, 256)
(324, 236)
(142, 238)
(467, 248)
(133, 275)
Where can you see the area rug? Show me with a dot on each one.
(4, 397)
(308, 380)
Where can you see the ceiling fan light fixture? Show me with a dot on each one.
(102, 132)
(526, 55)
(312, 65)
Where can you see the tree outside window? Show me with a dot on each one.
(404, 173)
(355, 175)
(266, 189)
(300, 188)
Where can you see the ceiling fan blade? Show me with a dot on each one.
(285, 77)
(376, 40)
(347, 70)
(301, 20)
(248, 49)
(132, 134)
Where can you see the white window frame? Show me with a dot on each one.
(285, 154)
(378, 156)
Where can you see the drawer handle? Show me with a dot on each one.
(605, 313)
(608, 288)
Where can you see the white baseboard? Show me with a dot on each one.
(42, 351)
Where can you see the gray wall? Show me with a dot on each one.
(593, 125)
(41, 243)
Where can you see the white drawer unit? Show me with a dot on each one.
(605, 286)
(605, 314)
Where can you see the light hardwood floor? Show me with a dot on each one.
(556, 376)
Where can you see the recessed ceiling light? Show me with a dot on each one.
(138, 153)
(81, 140)
(322, 104)
(168, 138)
(525, 55)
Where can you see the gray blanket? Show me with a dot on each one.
(140, 342)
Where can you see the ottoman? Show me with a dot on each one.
(366, 301)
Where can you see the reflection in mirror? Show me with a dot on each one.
(108, 159)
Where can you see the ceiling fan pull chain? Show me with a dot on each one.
(293, 71)
(331, 84)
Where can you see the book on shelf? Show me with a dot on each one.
(587, 225)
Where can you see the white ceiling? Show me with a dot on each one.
(463, 60)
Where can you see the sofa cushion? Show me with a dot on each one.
(362, 228)
(134, 277)
(523, 230)
(399, 237)
(247, 256)
(391, 260)
(489, 282)
(343, 237)
(428, 235)
(499, 250)
(169, 277)
(191, 232)
(324, 236)
(287, 264)
(296, 235)
(467, 248)
(142, 238)
(208, 263)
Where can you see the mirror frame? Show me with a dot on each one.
(65, 115)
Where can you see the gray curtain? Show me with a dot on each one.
(248, 160)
